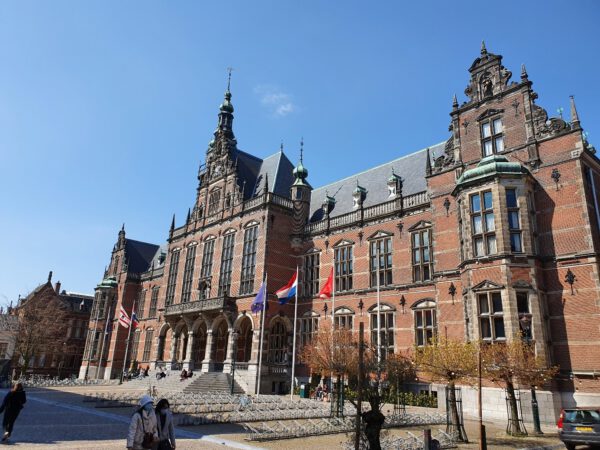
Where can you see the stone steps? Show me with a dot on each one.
(212, 382)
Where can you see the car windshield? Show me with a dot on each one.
(582, 416)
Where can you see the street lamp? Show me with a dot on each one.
(235, 336)
(526, 327)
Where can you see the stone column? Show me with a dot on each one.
(188, 362)
(172, 354)
(206, 362)
(230, 349)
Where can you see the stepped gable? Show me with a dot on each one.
(139, 255)
(411, 168)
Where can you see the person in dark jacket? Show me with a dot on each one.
(12, 406)
(164, 420)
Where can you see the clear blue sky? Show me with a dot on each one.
(106, 108)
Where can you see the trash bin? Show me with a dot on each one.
(302, 390)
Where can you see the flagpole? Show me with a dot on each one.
(378, 310)
(332, 328)
(128, 339)
(294, 338)
(262, 332)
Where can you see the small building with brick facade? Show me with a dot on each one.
(493, 235)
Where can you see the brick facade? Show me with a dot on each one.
(537, 183)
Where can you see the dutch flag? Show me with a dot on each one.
(289, 290)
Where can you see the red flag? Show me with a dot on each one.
(327, 290)
(124, 319)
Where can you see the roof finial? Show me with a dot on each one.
(523, 72)
(189, 215)
(123, 227)
(483, 49)
(50, 277)
(574, 115)
(281, 146)
(173, 223)
(454, 102)
(301, 148)
(229, 70)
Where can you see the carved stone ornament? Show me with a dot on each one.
(447, 159)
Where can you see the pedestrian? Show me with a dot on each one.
(166, 431)
(12, 406)
(143, 431)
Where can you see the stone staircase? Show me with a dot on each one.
(212, 382)
(171, 383)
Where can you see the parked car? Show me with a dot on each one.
(579, 426)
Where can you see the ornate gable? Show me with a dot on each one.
(487, 285)
(420, 224)
(380, 235)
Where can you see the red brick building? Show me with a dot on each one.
(491, 233)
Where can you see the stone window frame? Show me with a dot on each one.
(492, 315)
(153, 301)
(278, 342)
(188, 272)
(495, 138)
(308, 327)
(387, 319)
(148, 341)
(418, 230)
(227, 256)
(208, 253)
(135, 344)
(343, 256)
(249, 258)
(214, 198)
(514, 211)
(172, 280)
(311, 266)
(386, 272)
(524, 311)
(425, 334)
(484, 233)
(343, 317)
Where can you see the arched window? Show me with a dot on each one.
(309, 323)
(344, 318)
(382, 322)
(213, 201)
(278, 343)
(425, 322)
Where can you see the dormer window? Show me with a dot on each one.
(492, 138)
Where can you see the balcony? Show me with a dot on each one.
(210, 304)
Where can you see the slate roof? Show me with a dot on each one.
(158, 260)
(139, 255)
(255, 171)
(75, 301)
(410, 167)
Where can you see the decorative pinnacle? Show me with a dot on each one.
(454, 102)
(574, 115)
(123, 227)
(229, 70)
(483, 49)
(281, 146)
(301, 149)
(523, 72)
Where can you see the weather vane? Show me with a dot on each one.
(229, 70)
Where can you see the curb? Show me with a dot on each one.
(545, 447)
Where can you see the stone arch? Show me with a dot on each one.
(220, 334)
(245, 333)
(200, 321)
(279, 337)
(240, 318)
(200, 328)
(163, 336)
(286, 321)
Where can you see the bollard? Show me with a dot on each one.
(427, 439)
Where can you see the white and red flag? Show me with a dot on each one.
(124, 319)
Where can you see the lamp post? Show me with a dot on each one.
(535, 412)
(235, 336)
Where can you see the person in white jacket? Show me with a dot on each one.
(166, 430)
(143, 421)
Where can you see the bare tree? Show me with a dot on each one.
(42, 329)
(450, 361)
(515, 361)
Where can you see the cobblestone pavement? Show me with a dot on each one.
(58, 418)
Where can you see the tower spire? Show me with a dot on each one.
(454, 102)
(483, 49)
(523, 72)
(428, 163)
(574, 115)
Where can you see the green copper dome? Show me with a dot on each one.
(107, 283)
(226, 106)
(300, 174)
(489, 167)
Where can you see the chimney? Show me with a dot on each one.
(57, 287)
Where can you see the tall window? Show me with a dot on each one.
(343, 318)
(381, 261)
(278, 343)
(135, 345)
(213, 201)
(171, 282)
(206, 270)
(514, 224)
(311, 275)
(343, 268)
(524, 316)
(491, 317)
(141, 304)
(425, 326)
(226, 264)
(153, 302)
(483, 226)
(308, 327)
(384, 325)
(249, 260)
(188, 274)
(421, 255)
(148, 345)
(492, 139)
